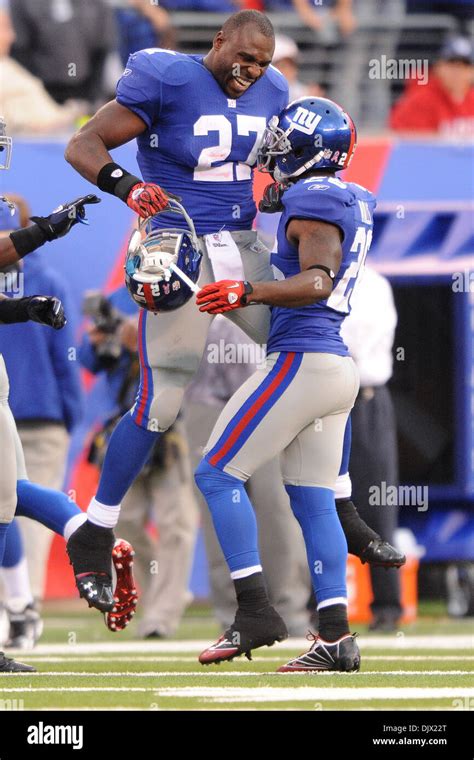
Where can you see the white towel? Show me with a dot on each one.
(224, 255)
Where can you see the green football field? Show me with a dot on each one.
(81, 665)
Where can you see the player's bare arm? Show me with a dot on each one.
(319, 245)
(8, 253)
(88, 152)
(113, 125)
(319, 250)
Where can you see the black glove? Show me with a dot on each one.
(271, 201)
(61, 220)
(46, 310)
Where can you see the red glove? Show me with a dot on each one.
(147, 199)
(224, 295)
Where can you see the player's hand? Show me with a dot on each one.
(46, 310)
(224, 295)
(147, 199)
(271, 201)
(60, 221)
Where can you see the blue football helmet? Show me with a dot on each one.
(6, 145)
(9, 215)
(151, 255)
(309, 133)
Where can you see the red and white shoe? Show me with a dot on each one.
(125, 592)
(248, 631)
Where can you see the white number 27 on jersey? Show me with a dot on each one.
(205, 171)
(340, 296)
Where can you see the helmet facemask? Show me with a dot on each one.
(274, 143)
(153, 253)
(6, 146)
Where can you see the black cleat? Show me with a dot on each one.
(342, 655)
(96, 589)
(90, 554)
(26, 625)
(382, 554)
(7, 665)
(248, 631)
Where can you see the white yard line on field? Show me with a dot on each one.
(32, 656)
(305, 693)
(151, 659)
(398, 643)
(268, 693)
(238, 674)
(418, 657)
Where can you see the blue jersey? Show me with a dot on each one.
(199, 144)
(350, 207)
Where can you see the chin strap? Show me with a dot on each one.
(184, 277)
(285, 177)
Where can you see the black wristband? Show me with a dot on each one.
(13, 310)
(248, 290)
(28, 240)
(117, 181)
(328, 271)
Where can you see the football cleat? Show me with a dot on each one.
(125, 594)
(96, 589)
(341, 655)
(248, 631)
(89, 549)
(26, 625)
(7, 665)
(382, 554)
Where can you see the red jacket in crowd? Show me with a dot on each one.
(430, 108)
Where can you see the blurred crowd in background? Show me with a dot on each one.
(60, 59)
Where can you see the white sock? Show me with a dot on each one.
(330, 602)
(73, 524)
(103, 515)
(245, 572)
(17, 582)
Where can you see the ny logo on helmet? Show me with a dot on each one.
(305, 121)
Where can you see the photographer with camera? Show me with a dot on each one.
(162, 494)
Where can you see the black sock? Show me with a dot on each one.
(357, 532)
(90, 548)
(333, 622)
(251, 593)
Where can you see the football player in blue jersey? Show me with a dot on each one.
(198, 121)
(298, 405)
